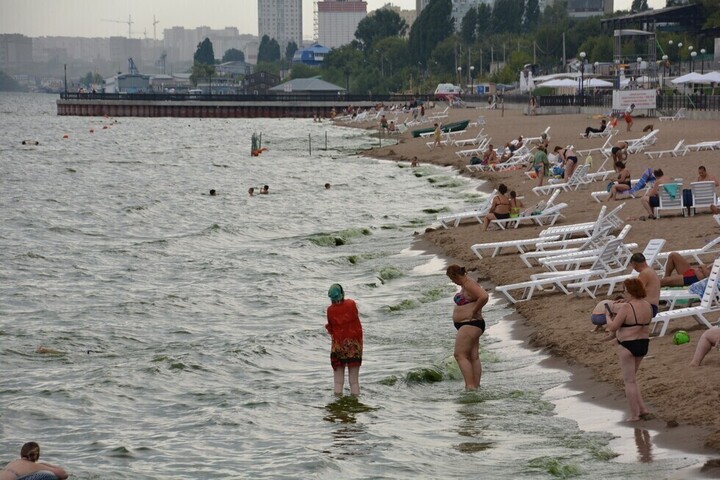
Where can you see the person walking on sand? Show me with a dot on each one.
(28, 466)
(628, 116)
(630, 326)
(469, 323)
(437, 136)
(540, 164)
(347, 340)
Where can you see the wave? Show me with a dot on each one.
(337, 239)
(389, 273)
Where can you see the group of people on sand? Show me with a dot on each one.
(627, 320)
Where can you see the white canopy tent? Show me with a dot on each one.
(560, 83)
(692, 77)
(597, 83)
(712, 77)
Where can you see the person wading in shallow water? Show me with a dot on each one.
(343, 325)
(468, 320)
(28, 467)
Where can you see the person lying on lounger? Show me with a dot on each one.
(686, 275)
(603, 126)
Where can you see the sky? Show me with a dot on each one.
(88, 18)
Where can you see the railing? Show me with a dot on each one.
(280, 97)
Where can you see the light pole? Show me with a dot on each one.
(692, 61)
(665, 64)
(639, 66)
(459, 75)
(472, 80)
(596, 66)
(680, 58)
(702, 61)
(582, 78)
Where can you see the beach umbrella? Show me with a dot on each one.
(691, 77)
(560, 83)
(597, 83)
(711, 77)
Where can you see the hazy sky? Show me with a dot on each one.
(84, 18)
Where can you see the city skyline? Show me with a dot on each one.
(106, 18)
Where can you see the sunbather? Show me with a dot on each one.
(623, 183)
(490, 157)
(703, 176)
(569, 158)
(652, 197)
(686, 275)
(500, 207)
(603, 126)
(516, 205)
(709, 339)
(620, 151)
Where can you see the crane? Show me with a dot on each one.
(129, 23)
(155, 22)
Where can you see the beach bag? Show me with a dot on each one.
(599, 313)
(475, 161)
(609, 186)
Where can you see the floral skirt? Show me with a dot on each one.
(347, 352)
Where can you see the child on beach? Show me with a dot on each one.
(540, 164)
(343, 325)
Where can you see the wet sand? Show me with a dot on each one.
(676, 393)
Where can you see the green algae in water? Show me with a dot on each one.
(433, 211)
(389, 381)
(473, 447)
(338, 238)
(433, 295)
(355, 259)
(391, 226)
(389, 273)
(555, 467)
(424, 375)
(404, 305)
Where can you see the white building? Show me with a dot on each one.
(338, 20)
(281, 20)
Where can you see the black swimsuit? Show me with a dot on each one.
(473, 323)
(639, 347)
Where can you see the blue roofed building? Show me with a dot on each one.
(313, 55)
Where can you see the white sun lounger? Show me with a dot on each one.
(591, 286)
(710, 145)
(708, 304)
(548, 216)
(710, 248)
(679, 150)
(548, 250)
(478, 214)
(703, 195)
(611, 220)
(529, 140)
(579, 177)
(679, 115)
(603, 266)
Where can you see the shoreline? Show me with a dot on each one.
(676, 393)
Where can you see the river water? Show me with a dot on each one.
(190, 327)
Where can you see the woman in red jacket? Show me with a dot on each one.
(347, 339)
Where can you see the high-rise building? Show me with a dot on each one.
(281, 20)
(338, 20)
(589, 8)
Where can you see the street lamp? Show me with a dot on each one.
(582, 78)
(459, 75)
(665, 64)
(472, 79)
(596, 66)
(680, 57)
(702, 60)
(692, 59)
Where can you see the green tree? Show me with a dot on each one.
(233, 55)
(201, 72)
(346, 66)
(91, 78)
(268, 67)
(531, 18)
(381, 23)
(204, 53)
(468, 26)
(9, 84)
(639, 6)
(484, 19)
(300, 70)
(433, 25)
(269, 50)
(507, 15)
(290, 50)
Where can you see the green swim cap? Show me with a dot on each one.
(680, 337)
(336, 293)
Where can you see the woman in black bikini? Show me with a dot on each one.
(468, 320)
(623, 182)
(500, 208)
(631, 326)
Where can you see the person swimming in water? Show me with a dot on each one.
(28, 466)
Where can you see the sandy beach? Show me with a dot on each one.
(674, 392)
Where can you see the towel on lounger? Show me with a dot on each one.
(671, 189)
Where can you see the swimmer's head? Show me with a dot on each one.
(336, 293)
(327, 186)
(30, 451)
(212, 192)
